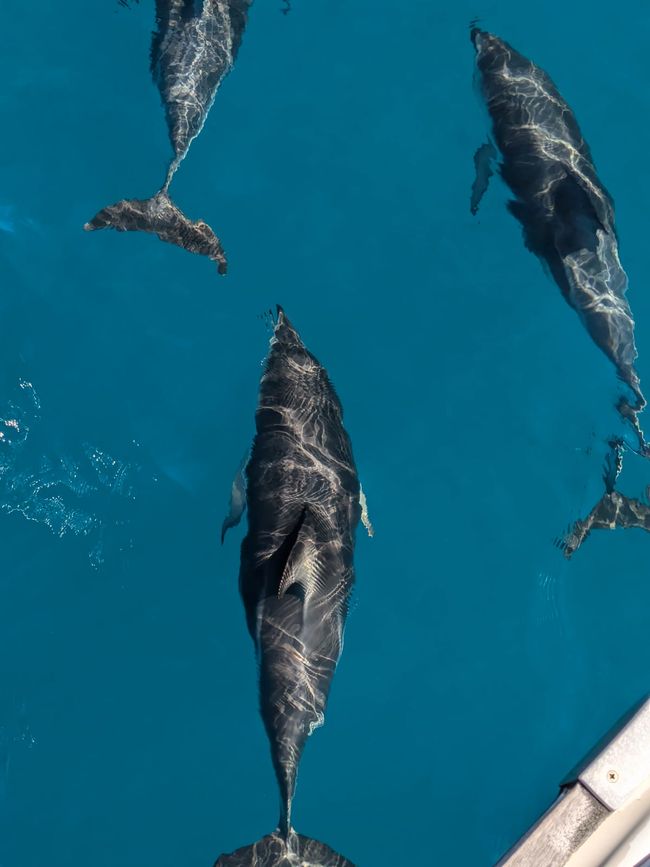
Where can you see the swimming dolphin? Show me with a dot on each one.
(296, 573)
(566, 213)
(192, 50)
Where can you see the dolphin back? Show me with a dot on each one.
(297, 571)
(274, 851)
(193, 48)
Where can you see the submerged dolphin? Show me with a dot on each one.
(192, 50)
(566, 213)
(296, 574)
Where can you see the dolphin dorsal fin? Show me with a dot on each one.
(303, 566)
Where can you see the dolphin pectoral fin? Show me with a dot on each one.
(232, 520)
(534, 237)
(274, 851)
(576, 216)
(535, 231)
(365, 518)
(237, 505)
(483, 171)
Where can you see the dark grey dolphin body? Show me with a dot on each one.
(566, 213)
(193, 48)
(297, 570)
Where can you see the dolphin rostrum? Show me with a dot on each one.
(566, 213)
(297, 572)
(193, 48)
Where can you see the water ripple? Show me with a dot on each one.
(69, 494)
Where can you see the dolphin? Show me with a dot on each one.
(297, 572)
(566, 213)
(193, 48)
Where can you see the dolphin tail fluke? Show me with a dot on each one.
(274, 851)
(160, 216)
(612, 511)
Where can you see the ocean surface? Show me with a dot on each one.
(336, 166)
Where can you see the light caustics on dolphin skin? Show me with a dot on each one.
(567, 217)
(193, 49)
(566, 213)
(297, 572)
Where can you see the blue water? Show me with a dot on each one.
(336, 164)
